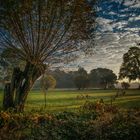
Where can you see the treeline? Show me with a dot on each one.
(81, 79)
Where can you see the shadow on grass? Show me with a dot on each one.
(135, 103)
(65, 100)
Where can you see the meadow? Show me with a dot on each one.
(71, 100)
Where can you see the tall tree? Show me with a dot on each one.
(130, 67)
(41, 32)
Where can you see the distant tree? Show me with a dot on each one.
(64, 79)
(94, 78)
(81, 80)
(103, 77)
(130, 67)
(125, 85)
(47, 81)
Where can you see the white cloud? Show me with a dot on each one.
(134, 18)
(132, 3)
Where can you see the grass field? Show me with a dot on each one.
(60, 100)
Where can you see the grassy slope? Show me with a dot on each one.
(59, 100)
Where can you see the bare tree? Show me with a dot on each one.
(40, 32)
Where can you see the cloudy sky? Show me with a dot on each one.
(118, 28)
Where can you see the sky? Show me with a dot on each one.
(118, 29)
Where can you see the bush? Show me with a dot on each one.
(93, 121)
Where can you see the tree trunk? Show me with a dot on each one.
(15, 93)
(8, 99)
(45, 98)
(139, 86)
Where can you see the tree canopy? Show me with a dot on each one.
(41, 31)
(102, 77)
(81, 79)
(47, 81)
(64, 79)
(130, 67)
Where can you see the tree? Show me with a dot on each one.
(47, 81)
(103, 77)
(125, 85)
(64, 79)
(40, 33)
(130, 67)
(81, 80)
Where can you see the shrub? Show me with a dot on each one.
(93, 121)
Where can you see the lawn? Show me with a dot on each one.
(70, 100)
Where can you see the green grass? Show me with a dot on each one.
(60, 100)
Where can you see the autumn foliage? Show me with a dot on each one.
(92, 121)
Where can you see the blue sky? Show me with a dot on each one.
(118, 28)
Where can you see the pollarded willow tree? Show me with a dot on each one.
(38, 33)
